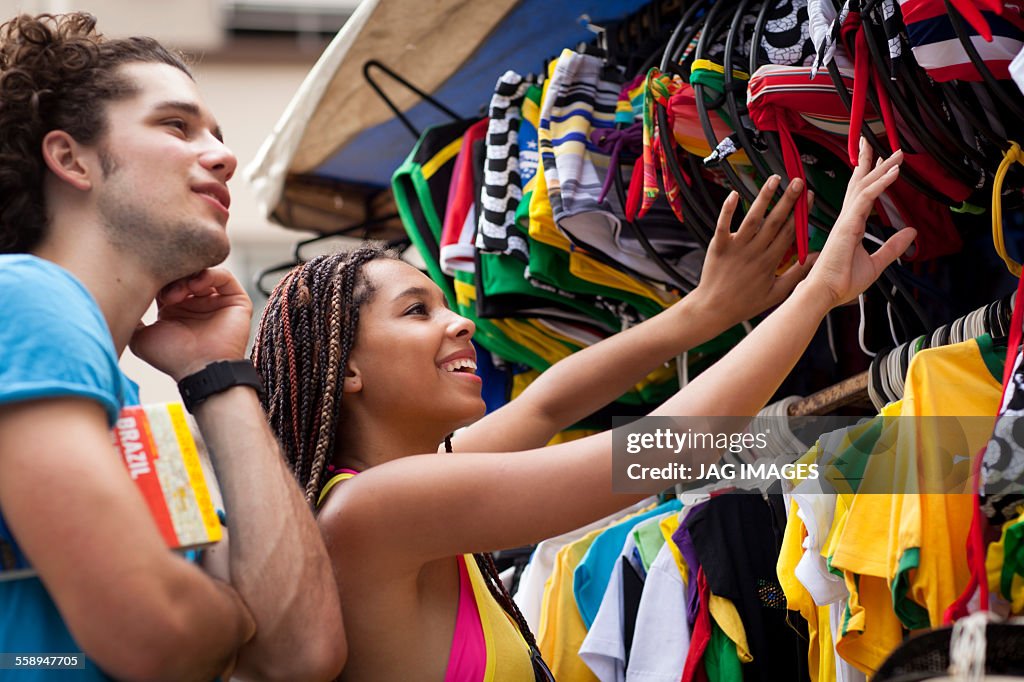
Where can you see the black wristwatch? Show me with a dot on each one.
(215, 378)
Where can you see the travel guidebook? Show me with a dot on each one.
(169, 463)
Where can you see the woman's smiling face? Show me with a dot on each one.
(413, 354)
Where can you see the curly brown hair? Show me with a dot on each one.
(56, 73)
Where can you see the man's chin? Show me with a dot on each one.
(195, 254)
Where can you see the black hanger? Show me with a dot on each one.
(879, 148)
(935, 147)
(713, 26)
(732, 97)
(912, 77)
(877, 59)
(702, 192)
(298, 257)
(686, 28)
(772, 154)
(698, 221)
(703, 106)
(674, 276)
(373, 63)
(938, 149)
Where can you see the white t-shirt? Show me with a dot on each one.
(662, 636)
(604, 649)
(531, 584)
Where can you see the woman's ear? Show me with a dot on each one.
(63, 156)
(353, 382)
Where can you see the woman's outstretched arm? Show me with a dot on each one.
(738, 281)
(478, 502)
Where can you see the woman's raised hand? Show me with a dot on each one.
(844, 268)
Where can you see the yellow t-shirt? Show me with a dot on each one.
(928, 558)
(1003, 565)
(903, 555)
(562, 631)
(821, 659)
(869, 630)
(728, 618)
(668, 526)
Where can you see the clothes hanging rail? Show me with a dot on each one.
(993, 319)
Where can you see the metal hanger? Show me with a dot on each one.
(415, 132)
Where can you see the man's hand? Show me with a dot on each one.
(201, 319)
(739, 278)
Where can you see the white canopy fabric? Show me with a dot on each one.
(426, 42)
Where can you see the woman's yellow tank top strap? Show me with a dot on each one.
(335, 480)
(1013, 155)
(508, 655)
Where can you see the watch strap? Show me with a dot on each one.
(217, 377)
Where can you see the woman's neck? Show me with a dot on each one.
(361, 445)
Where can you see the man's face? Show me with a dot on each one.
(163, 194)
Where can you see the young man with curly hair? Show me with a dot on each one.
(113, 192)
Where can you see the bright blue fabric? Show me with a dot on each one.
(590, 579)
(55, 343)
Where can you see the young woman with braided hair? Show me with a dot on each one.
(367, 368)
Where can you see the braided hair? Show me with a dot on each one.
(302, 347)
(485, 562)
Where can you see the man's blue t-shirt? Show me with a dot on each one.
(55, 343)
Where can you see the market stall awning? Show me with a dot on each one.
(335, 147)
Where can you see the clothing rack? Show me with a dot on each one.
(826, 401)
(363, 231)
(854, 389)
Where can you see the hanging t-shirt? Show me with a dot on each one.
(962, 380)
(561, 630)
(820, 653)
(662, 634)
(542, 562)
(737, 538)
(604, 647)
(502, 189)
(649, 539)
(420, 187)
(862, 638)
(458, 230)
(594, 570)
